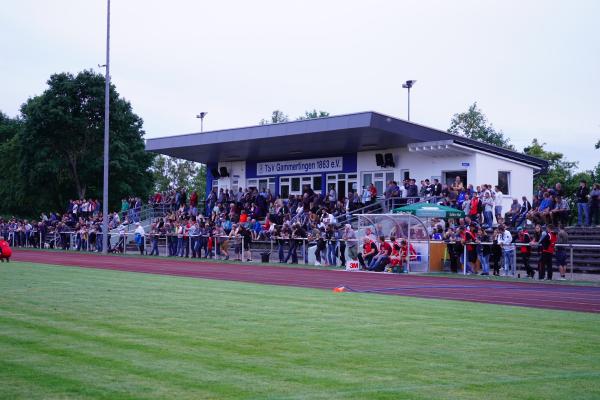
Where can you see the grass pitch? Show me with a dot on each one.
(83, 333)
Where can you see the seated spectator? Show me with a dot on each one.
(382, 258)
(369, 250)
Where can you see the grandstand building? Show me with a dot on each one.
(347, 153)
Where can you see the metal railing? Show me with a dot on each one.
(512, 248)
(212, 246)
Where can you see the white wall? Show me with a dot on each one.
(237, 172)
(420, 165)
(482, 169)
(520, 182)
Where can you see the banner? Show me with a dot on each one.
(326, 164)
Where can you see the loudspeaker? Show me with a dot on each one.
(379, 160)
(389, 160)
(223, 172)
(215, 173)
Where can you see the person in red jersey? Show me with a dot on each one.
(5, 250)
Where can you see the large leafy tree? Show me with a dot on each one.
(474, 125)
(60, 145)
(174, 173)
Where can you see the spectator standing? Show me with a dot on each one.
(508, 249)
(350, 239)
(548, 243)
(484, 251)
(583, 212)
(525, 251)
(488, 210)
(498, 198)
(140, 236)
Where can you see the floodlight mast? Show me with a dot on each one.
(106, 135)
(409, 84)
(201, 116)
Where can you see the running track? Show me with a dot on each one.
(525, 294)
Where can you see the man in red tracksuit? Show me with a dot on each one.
(548, 241)
(5, 251)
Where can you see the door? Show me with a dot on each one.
(379, 179)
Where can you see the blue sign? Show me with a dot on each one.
(465, 164)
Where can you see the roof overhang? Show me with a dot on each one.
(440, 148)
(336, 135)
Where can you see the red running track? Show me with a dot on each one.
(525, 294)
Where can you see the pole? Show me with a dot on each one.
(571, 260)
(409, 103)
(106, 135)
(202, 124)
(465, 259)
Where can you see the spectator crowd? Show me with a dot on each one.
(226, 222)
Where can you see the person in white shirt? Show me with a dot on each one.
(366, 196)
(498, 197)
(508, 248)
(140, 237)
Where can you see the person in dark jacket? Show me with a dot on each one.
(583, 208)
(525, 251)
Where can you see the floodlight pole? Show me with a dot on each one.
(409, 84)
(201, 116)
(409, 103)
(106, 135)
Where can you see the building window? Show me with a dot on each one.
(295, 184)
(317, 183)
(504, 182)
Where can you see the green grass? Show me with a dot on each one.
(84, 333)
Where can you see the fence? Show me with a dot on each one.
(294, 249)
(512, 254)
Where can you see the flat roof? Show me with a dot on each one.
(335, 135)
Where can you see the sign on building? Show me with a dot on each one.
(326, 164)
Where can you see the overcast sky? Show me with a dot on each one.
(533, 66)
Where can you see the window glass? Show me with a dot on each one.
(389, 176)
(306, 179)
(295, 184)
(504, 181)
(352, 176)
(317, 183)
(367, 180)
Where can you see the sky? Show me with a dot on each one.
(533, 67)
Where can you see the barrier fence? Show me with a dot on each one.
(224, 246)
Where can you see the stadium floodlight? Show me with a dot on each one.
(201, 116)
(409, 84)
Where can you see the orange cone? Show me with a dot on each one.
(339, 289)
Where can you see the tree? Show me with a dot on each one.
(173, 173)
(9, 127)
(60, 145)
(559, 169)
(598, 144)
(313, 115)
(276, 117)
(474, 125)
